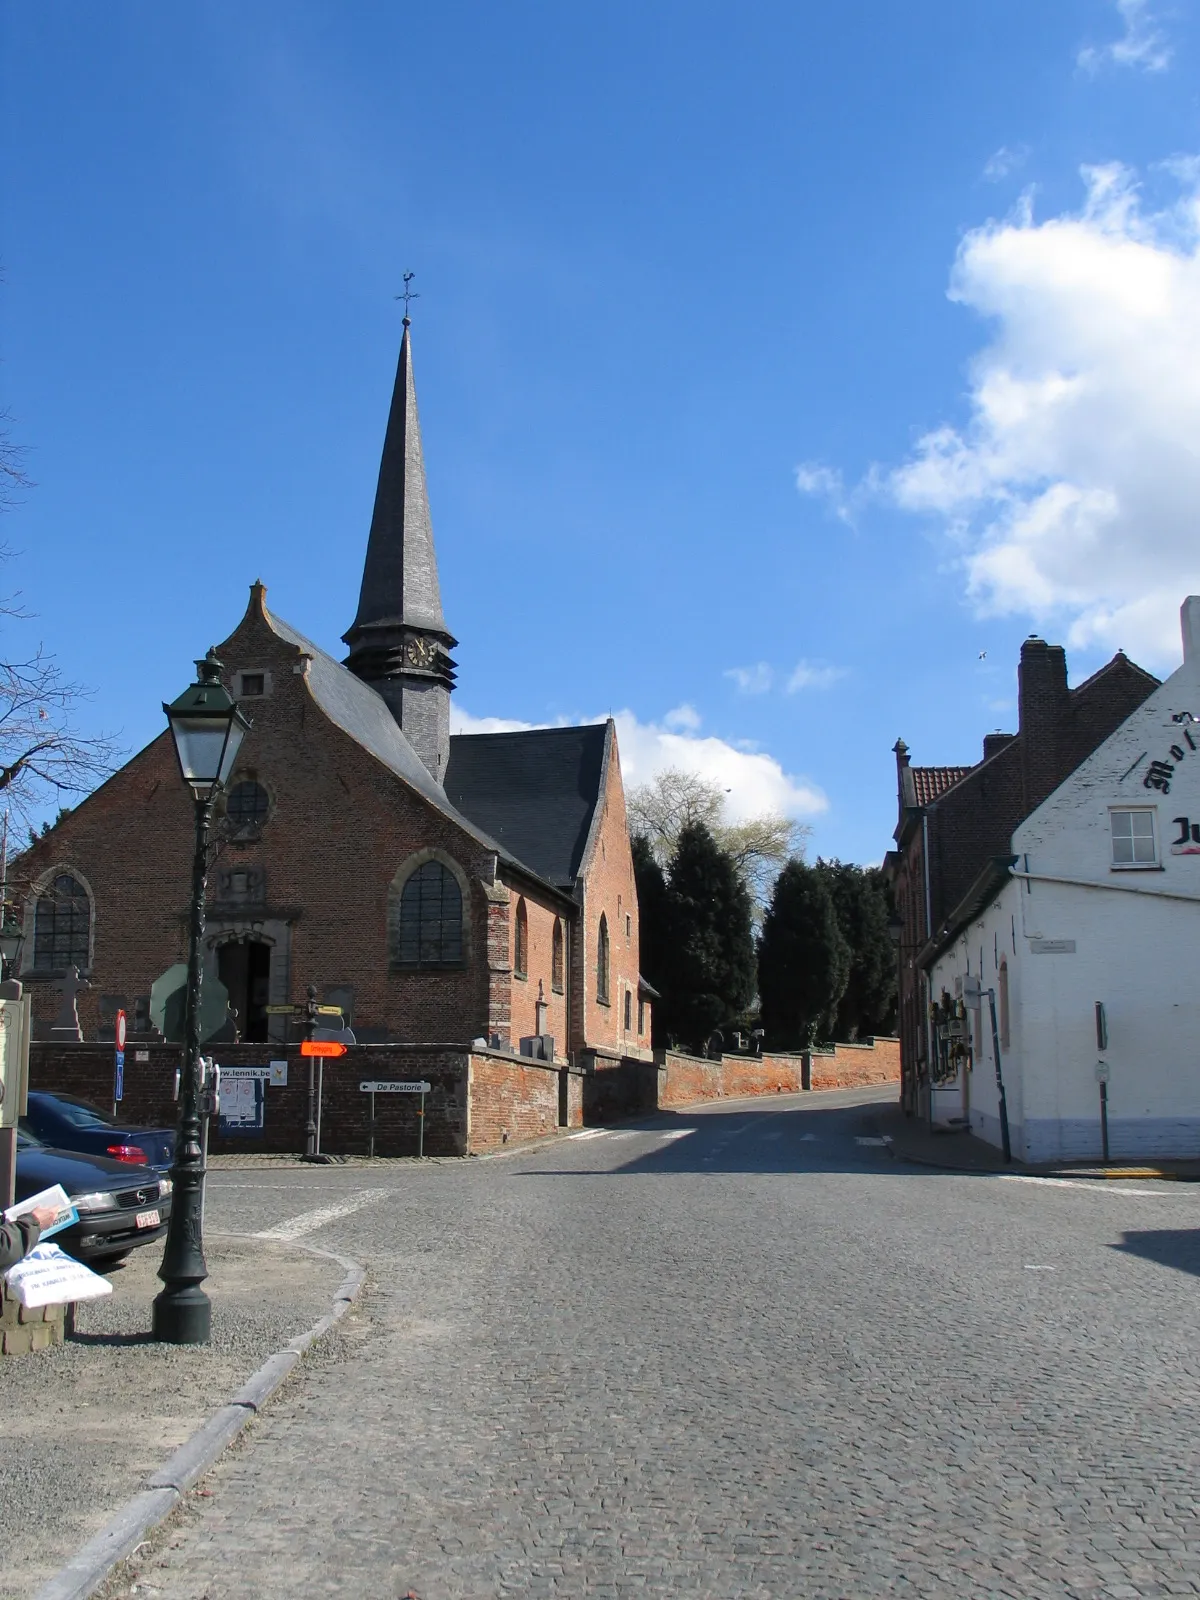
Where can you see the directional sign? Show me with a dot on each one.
(302, 1011)
(322, 1047)
(393, 1088)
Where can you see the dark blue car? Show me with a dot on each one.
(120, 1206)
(68, 1123)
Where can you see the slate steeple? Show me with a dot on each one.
(399, 642)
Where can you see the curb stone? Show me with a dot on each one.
(87, 1569)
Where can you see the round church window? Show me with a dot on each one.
(246, 806)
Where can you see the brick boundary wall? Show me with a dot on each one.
(479, 1100)
(685, 1080)
(23, 1330)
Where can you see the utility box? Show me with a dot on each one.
(14, 1057)
(15, 1029)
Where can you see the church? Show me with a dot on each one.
(438, 887)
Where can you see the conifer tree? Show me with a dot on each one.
(803, 960)
(862, 903)
(653, 925)
(708, 943)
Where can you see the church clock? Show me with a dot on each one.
(418, 652)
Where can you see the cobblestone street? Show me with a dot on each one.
(740, 1352)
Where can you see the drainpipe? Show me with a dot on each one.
(925, 976)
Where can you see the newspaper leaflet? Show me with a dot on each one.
(54, 1199)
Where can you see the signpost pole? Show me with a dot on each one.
(310, 1126)
(421, 1127)
(371, 1144)
(320, 1099)
(1104, 1117)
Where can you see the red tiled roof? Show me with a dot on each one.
(930, 782)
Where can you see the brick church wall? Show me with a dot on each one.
(511, 1100)
(339, 828)
(609, 890)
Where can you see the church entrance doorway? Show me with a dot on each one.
(245, 970)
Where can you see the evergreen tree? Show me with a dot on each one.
(803, 960)
(863, 905)
(653, 924)
(707, 953)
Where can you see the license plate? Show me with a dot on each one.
(148, 1219)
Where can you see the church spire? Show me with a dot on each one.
(399, 642)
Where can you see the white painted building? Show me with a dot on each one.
(1100, 904)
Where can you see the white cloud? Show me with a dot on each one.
(1004, 161)
(1072, 494)
(753, 782)
(684, 719)
(812, 675)
(752, 680)
(1143, 44)
(825, 483)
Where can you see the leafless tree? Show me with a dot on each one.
(43, 755)
(760, 846)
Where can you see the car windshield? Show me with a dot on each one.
(26, 1138)
(77, 1112)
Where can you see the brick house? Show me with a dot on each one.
(436, 886)
(954, 820)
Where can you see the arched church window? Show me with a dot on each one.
(430, 932)
(62, 925)
(602, 961)
(246, 806)
(521, 942)
(557, 962)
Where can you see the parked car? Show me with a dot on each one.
(120, 1206)
(68, 1123)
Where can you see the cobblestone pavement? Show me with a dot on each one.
(736, 1353)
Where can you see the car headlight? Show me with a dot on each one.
(101, 1200)
(164, 1187)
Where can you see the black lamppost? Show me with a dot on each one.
(208, 729)
(12, 937)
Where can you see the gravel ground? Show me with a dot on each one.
(85, 1423)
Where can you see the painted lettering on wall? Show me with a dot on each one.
(1159, 773)
(1188, 842)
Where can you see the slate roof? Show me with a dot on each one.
(535, 792)
(930, 782)
(400, 576)
(362, 713)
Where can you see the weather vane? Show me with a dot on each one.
(409, 294)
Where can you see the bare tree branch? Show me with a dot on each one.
(759, 846)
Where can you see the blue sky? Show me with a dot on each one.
(774, 361)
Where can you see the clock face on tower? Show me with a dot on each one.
(418, 652)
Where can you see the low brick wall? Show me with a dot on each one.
(854, 1066)
(23, 1330)
(685, 1080)
(477, 1101)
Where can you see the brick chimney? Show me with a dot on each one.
(1044, 708)
(992, 742)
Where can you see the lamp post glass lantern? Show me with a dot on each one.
(208, 728)
(12, 937)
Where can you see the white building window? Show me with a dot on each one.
(1133, 843)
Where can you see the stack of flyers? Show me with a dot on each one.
(58, 1201)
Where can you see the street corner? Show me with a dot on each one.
(88, 1422)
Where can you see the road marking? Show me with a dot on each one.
(589, 1133)
(1029, 1268)
(862, 1138)
(310, 1221)
(809, 1138)
(676, 1133)
(1094, 1184)
(778, 1134)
